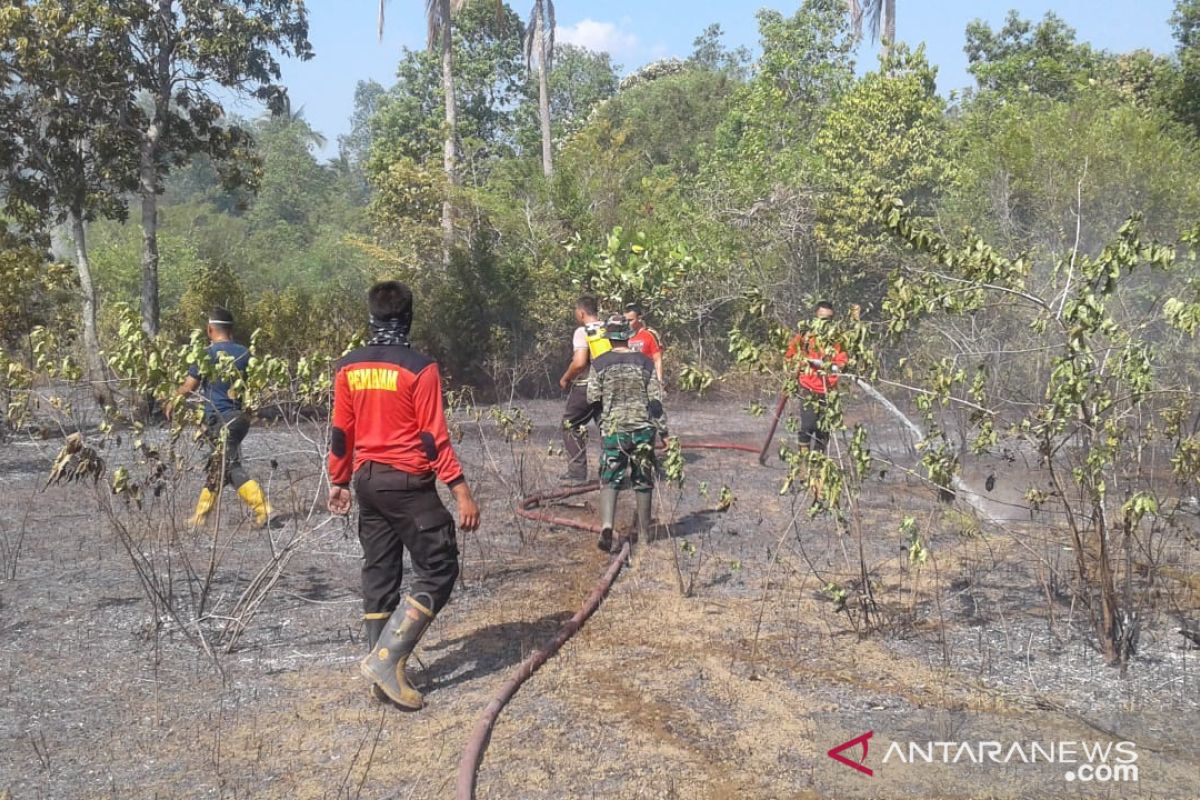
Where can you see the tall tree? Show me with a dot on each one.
(181, 52)
(355, 147)
(581, 80)
(65, 156)
(881, 20)
(539, 43)
(438, 21)
(709, 52)
(1185, 26)
(1024, 58)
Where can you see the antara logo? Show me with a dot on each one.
(836, 753)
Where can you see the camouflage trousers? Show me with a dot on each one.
(627, 459)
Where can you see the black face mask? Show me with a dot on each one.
(390, 331)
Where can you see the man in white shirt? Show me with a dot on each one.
(587, 343)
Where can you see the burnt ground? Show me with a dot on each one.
(720, 666)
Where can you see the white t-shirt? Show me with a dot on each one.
(579, 342)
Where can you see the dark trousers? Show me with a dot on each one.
(398, 512)
(578, 414)
(811, 409)
(225, 458)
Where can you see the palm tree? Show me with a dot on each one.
(539, 42)
(880, 16)
(438, 15)
(290, 117)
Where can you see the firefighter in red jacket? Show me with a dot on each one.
(818, 363)
(390, 437)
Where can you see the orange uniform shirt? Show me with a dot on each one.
(811, 376)
(387, 408)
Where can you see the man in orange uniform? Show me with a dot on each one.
(818, 364)
(390, 437)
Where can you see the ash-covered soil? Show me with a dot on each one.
(721, 666)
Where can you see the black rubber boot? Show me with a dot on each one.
(385, 664)
(608, 512)
(373, 625)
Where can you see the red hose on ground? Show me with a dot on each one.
(525, 508)
(745, 448)
(468, 763)
(472, 755)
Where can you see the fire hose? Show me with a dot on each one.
(472, 755)
(529, 508)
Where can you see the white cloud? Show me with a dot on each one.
(605, 37)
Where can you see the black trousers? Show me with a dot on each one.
(225, 460)
(811, 409)
(397, 512)
(578, 414)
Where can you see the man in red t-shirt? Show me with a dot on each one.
(817, 367)
(645, 339)
(389, 437)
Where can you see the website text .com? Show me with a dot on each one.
(1085, 761)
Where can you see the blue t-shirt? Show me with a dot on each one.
(216, 392)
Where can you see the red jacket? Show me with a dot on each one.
(387, 408)
(814, 377)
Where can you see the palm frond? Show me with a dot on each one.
(874, 11)
(539, 32)
(531, 34)
(434, 20)
(382, 3)
(871, 11)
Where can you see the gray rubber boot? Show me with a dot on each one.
(642, 525)
(645, 502)
(608, 513)
(385, 664)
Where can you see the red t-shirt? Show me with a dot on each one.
(645, 342)
(812, 376)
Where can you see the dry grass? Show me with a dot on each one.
(660, 696)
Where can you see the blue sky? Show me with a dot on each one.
(343, 33)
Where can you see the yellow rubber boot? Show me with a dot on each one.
(204, 505)
(252, 495)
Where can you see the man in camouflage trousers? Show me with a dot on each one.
(625, 384)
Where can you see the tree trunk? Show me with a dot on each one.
(889, 25)
(148, 187)
(148, 169)
(450, 153)
(93, 363)
(544, 94)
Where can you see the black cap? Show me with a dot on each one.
(220, 316)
